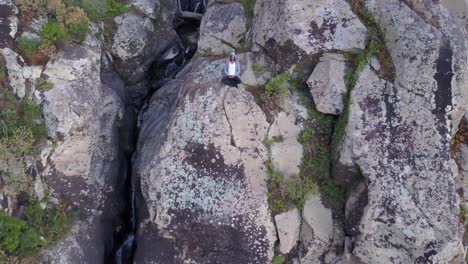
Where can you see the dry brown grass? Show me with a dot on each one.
(461, 137)
(72, 16)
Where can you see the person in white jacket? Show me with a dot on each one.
(231, 71)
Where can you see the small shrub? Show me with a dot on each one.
(52, 32)
(279, 259)
(40, 228)
(79, 32)
(278, 86)
(76, 23)
(11, 229)
(43, 85)
(28, 46)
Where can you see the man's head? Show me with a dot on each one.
(232, 57)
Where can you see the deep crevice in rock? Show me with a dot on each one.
(165, 67)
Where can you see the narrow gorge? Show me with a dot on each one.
(345, 143)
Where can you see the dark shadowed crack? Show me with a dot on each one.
(233, 142)
(443, 95)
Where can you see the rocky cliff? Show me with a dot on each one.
(345, 143)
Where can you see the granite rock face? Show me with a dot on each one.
(211, 206)
(222, 28)
(400, 223)
(412, 207)
(290, 30)
(327, 83)
(82, 114)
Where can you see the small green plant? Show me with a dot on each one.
(278, 86)
(115, 8)
(279, 259)
(28, 46)
(43, 85)
(52, 32)
(299, 189)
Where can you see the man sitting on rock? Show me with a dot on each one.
(231, 71)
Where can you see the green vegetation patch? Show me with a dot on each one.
(36, 230)
(22, 131)
(278, 86)
(43, 85)
(29, 47)
(316, 140)
(68, 21)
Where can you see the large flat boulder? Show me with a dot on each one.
(203, 180)
(291, 30)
